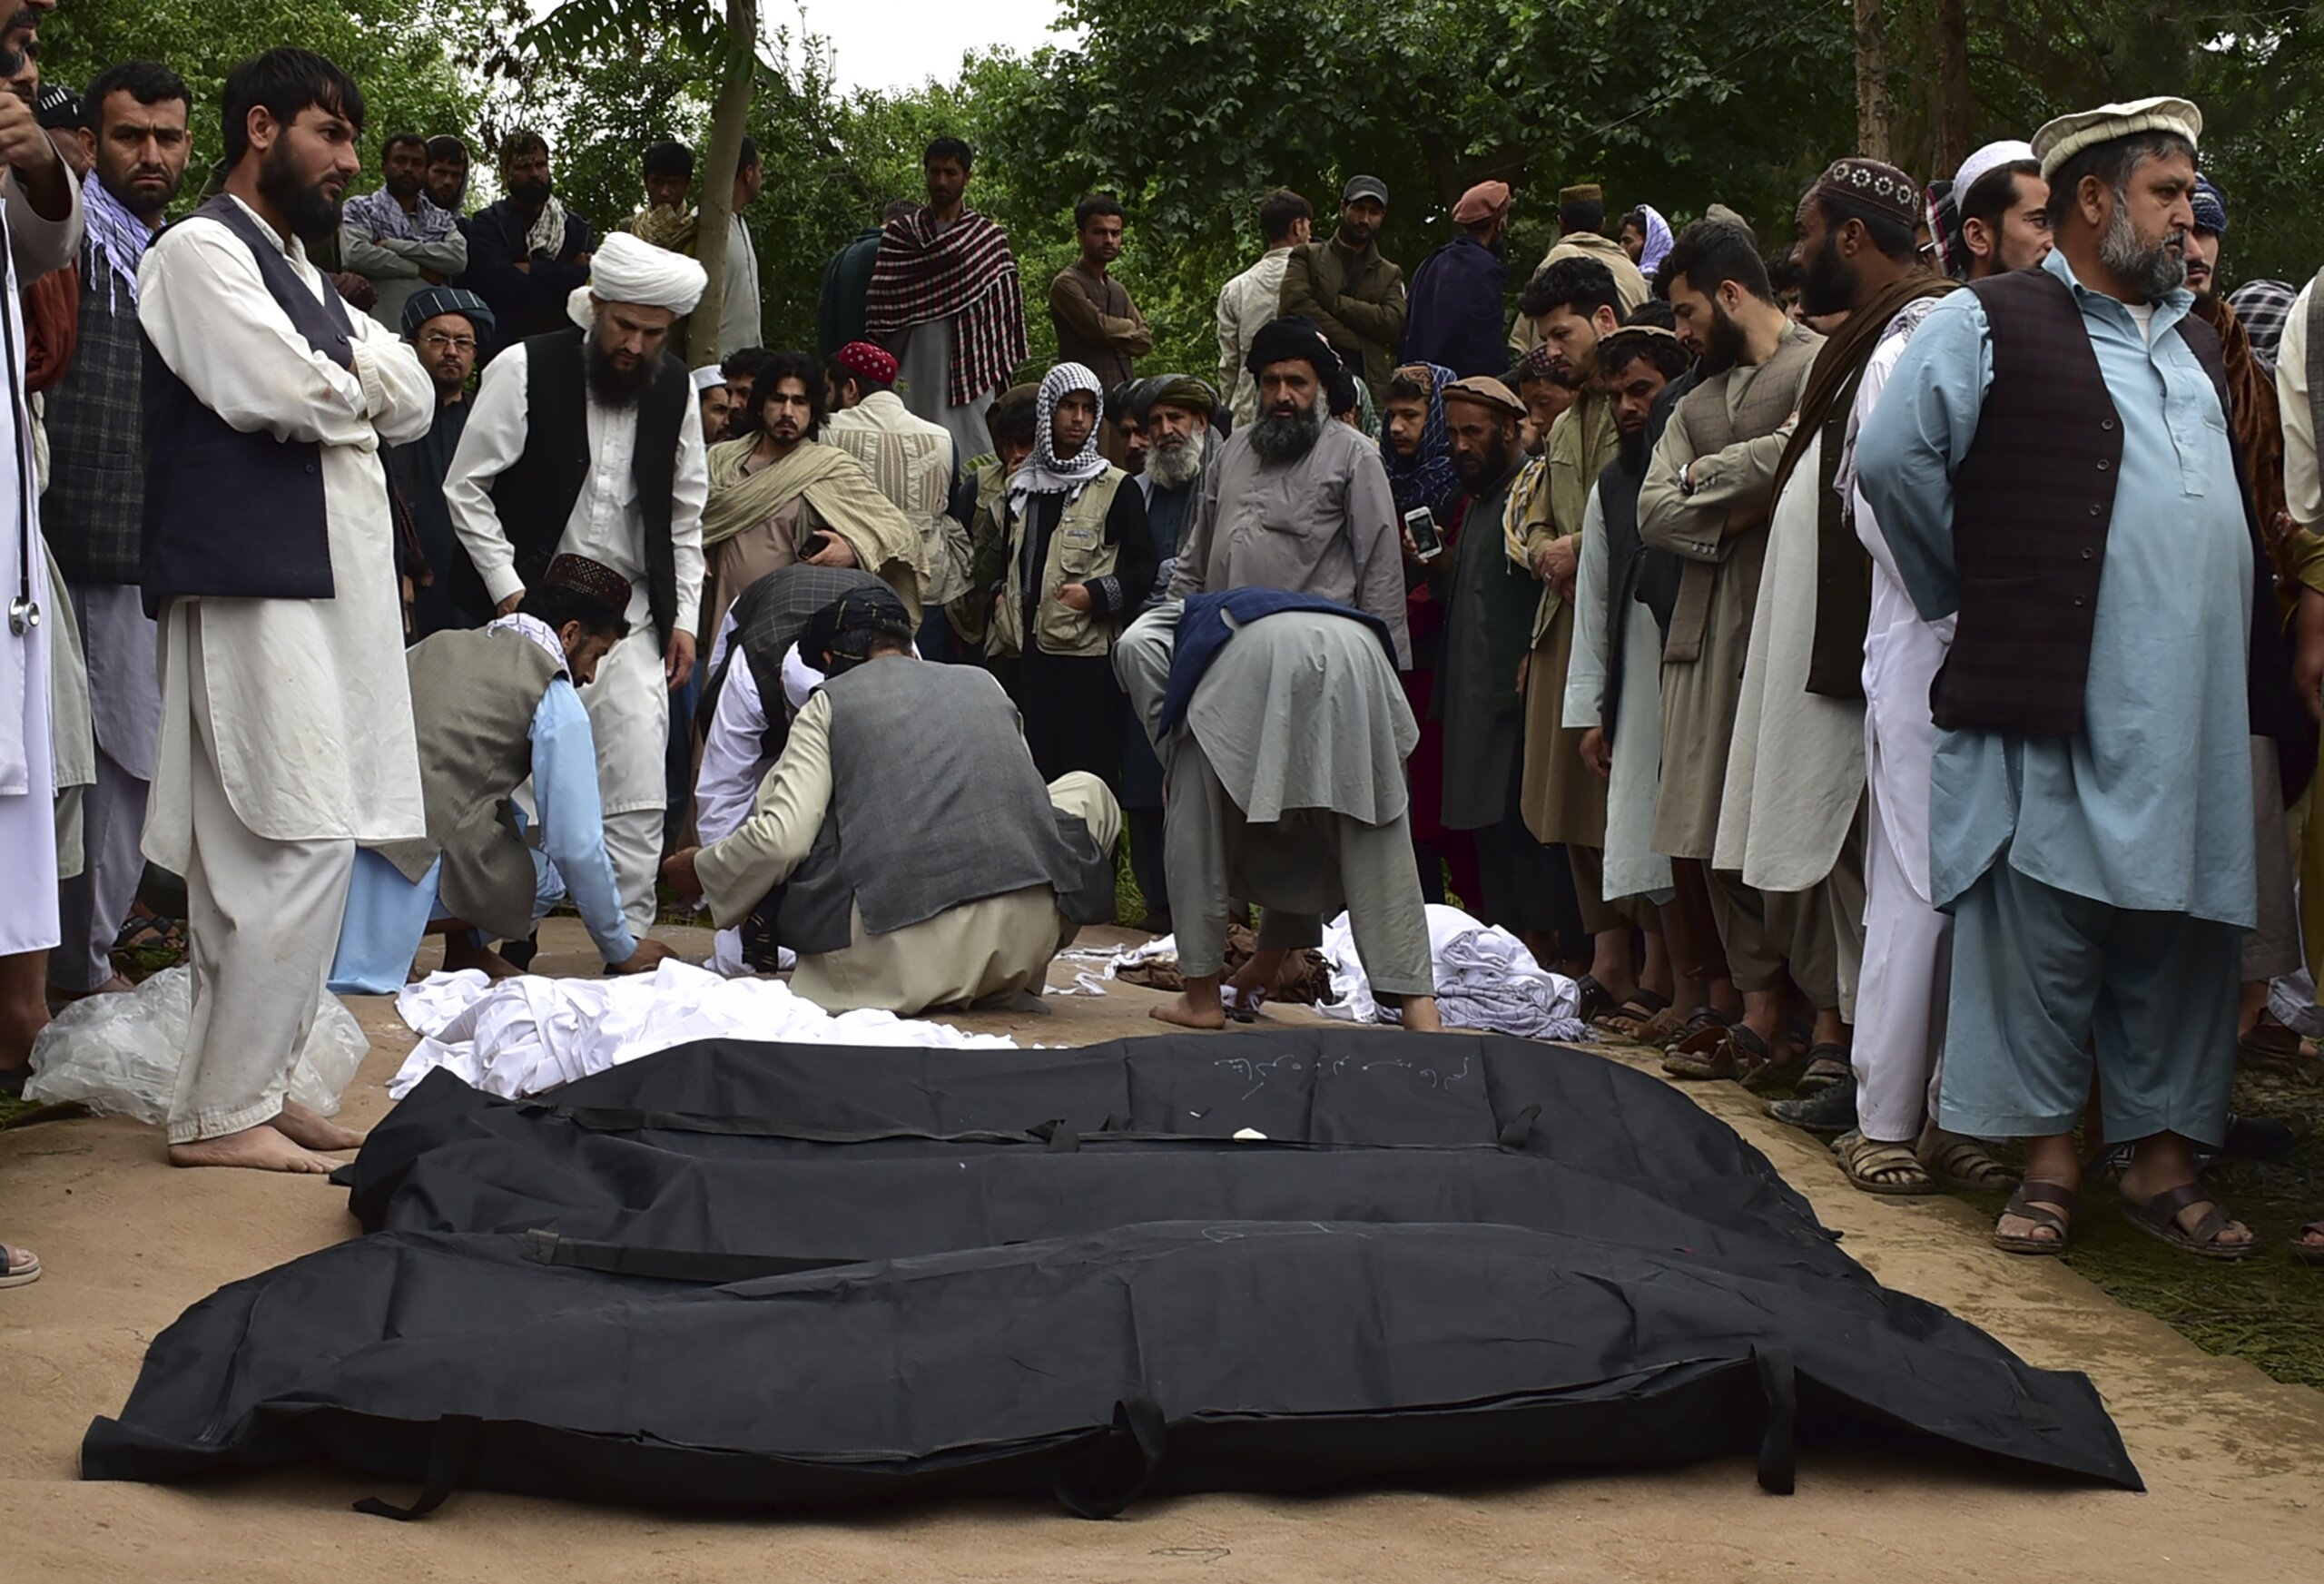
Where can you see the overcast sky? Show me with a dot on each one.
(899, 43)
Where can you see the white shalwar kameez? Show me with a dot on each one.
(28, 921)
(1907, 944)
(1633, 868)
(286, 732)
(629, 702)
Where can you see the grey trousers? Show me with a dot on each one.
(2041, 978)
(2272, 948)
(1299, 869)
(94, 903)
(1818, 932)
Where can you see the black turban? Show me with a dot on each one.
(840, 635)
(1281, 341)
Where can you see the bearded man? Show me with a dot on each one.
(286, 726)
(446, 325)
(1176, 423)
(1706, 500)
(1295, 501)
(1481, 679)
(2053, 472)
(92, 512)
(587, 441)
(1791, 813)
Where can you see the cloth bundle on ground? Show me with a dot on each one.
(1306, 979)
(747, 1274)
(528, 1034)
(1486, 979)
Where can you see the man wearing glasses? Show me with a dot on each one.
(444, 324)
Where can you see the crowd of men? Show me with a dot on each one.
(1865, 669)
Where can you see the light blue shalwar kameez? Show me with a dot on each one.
(387, 914)
(2101, 884)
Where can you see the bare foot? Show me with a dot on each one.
(115, 986)
(460, 955)
(1420, 1015)
(304, 1128)
(260, 1148)
(1176, 1010)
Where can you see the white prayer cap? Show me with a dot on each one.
(709, 379)
(626, 270)
(2068, 135)
(1987, 160)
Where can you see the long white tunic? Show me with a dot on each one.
(1783, 830)
(308, 698)
(1901, 652)
(27, 766)
(1633, 868)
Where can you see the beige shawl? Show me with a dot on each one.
(847, 504)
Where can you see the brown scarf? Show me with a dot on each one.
(1843, 569)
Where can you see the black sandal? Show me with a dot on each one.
(2305, 1251)
(2159, 1218)
(1597, 1000)
(2027, 1203)
(1827, 1065)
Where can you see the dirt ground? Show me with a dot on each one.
(2235, 1462)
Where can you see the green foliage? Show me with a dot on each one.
(1191, 117)
(395, 49)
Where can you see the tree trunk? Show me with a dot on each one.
(1871, 82)
(1956, 115)
(730, 116)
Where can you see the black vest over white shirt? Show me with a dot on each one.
(533, 498)
(232, 513)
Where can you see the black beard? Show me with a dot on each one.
(1477, 471)
(304, 210)
(1278, 440)
(1725, 345)
(612, 386)
(1829, 286)
(529, 194)
(1174, 466)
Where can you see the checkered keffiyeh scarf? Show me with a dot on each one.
(2263, 306)
(117, 240)
(382, 217)
(965, 273)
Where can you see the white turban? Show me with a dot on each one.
(626, 270)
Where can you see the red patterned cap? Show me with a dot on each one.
(867, 361)
(593, 579)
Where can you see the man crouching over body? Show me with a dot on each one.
(903, 844)
(1283, 733)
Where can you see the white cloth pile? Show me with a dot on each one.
(1485, 978)
(528, 1034)
(120, 1054)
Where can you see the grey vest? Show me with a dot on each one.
(473, 697)
(935, 802)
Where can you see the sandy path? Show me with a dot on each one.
(2235, 1462)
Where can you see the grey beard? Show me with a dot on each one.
(1287, 440)
(2152, 272)
(1176, 466)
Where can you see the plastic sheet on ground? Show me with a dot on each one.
(120, 1054)
(1485, 978)
(532, 1033)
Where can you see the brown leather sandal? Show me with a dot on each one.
(2159, 1218)
(2027, 1203)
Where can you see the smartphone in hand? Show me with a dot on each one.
(1421, 524)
